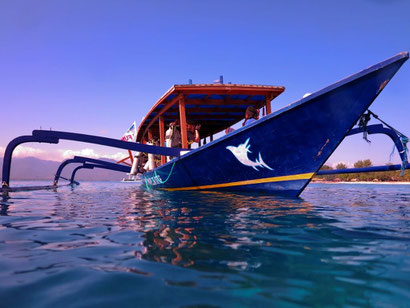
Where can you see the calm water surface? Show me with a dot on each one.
(115, 244)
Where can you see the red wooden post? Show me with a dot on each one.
(182, 122)
(131, 157)
(268, 99)
(162, 137)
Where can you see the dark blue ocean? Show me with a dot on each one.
(108, 244)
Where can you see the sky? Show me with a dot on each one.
(94, 67)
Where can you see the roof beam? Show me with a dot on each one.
(206, 118)
(166, 107)
(232, 92)
(227, 88)
(219, 102)
(219, 110)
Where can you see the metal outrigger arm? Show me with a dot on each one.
(95, 163)
(92, 166)
(380, 129)
(376, 129)
(45, 136)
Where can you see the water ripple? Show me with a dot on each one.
(108, 243)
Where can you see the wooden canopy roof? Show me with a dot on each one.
(214, 106)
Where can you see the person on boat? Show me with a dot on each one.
(151, 163)
(193, 132)
(251, 115)
(157, 158)
(173, 135)
(229, 130)
(142, 159)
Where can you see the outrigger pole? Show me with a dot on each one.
(92, 166)
(365, 169)
(54, 137)
(96, 163)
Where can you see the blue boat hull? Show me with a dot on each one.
(281, 152)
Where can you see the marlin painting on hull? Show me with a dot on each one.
(279, 153)
(241, 153)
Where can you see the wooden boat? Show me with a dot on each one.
(279, 153)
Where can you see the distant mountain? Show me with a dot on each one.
(30, 168)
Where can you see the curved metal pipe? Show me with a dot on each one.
(380, 129)
(92, 166)
(9, 152)
(84, 166)
(96, 162)
(55, 136)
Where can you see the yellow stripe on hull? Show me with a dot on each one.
(303, 176)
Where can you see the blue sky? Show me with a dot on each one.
(96, 66)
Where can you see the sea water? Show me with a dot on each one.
(107, 244)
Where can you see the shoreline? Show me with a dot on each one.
(361, 182)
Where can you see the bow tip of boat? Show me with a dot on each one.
(404, 54)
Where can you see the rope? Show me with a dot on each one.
(60, 177)
(389, 126)
(149, 186)
(364, 119)
(404, 140)
(169, 174)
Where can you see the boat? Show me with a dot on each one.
(277, 154)
(131, 178)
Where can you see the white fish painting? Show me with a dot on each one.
(241, 153)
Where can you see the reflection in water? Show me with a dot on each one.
(4, 203)
(265, 249)
(216, 225)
